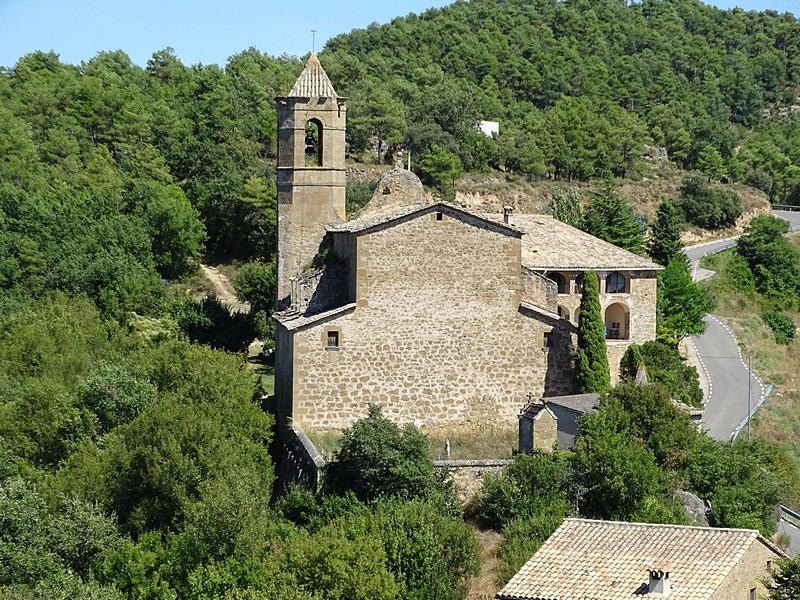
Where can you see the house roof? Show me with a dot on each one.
(549, 244)
(606, 560)
(371, 221)
(581, 403)
(313, 82)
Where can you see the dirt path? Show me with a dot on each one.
(224, 290)
(484, 586)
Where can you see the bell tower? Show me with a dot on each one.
(311, 171)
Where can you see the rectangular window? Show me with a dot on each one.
(333, 339)
(438, 216)
(547, 341)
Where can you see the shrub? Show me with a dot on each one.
(709, 207)
(772, 259)
(378, 459)
(255, 283)
(357, 194)
(665, 366)
(782, 326)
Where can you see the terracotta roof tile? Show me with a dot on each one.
(605, 560)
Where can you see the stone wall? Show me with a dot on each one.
(539, 290)
(309, 197)
(639, 300)
(468, 475)
(437, 336)
(747, 574)
(545, 430)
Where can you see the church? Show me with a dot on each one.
(442, 316)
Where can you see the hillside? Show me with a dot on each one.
(579, 87)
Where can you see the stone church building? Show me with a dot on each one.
(441, 315)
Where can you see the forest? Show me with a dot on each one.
(134, 451)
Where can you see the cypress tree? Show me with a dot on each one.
(591, 367)
(665, 243)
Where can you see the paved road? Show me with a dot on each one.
(719, 353)
(727, 402)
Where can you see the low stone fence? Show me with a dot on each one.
(468, 475)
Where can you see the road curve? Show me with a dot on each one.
(726, 405)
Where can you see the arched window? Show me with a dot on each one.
(563, 312)
(561, 281)
(314, 143)
(615, 283)
(617, 321)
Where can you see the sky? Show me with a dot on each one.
(205, 31)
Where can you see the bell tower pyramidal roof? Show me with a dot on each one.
(313, 82)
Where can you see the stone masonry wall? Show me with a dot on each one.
(437, 335)
(545, 431)
(640, 300)
(747, 574)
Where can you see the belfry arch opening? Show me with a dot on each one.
(617, 322)
(314, 141)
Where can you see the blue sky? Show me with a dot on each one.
(206, 31)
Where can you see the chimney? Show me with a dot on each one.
(658, 586)
(507, 212)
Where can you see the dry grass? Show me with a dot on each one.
(465, 443)
(472, 442)
(489, 192)
(484, 585)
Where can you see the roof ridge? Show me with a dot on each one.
(313, 81)
(664, 525)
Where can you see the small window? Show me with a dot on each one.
(547, 341)
(386, 191)
(333, 339)
(752, 593)
(615, 283)
(438, 216)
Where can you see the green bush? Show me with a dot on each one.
(665, 366)
(773, 261)
(378, 459)
(782, 326)
(357, 194)
(707, 206)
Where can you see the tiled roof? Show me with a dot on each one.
(548, 243)
(581, 403)
(606, 560)
(370, 220)
(313, 82)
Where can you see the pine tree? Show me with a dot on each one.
(710, 162)
(665, 243)
(591, 368)
(611, 218)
